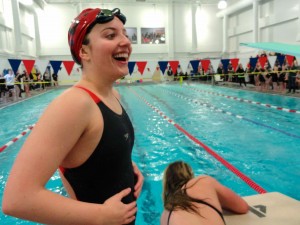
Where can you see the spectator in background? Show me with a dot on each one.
(47, 78)
(2, 86)
(10, 82)
(55, 79)
(241, 75)
(282, 78)
(292, 77)
(19, 80)
(27, 82)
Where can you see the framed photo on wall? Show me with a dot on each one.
(153, 36)
(132, 34)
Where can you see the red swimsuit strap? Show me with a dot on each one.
(94, 97)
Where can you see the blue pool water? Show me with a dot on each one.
(261, 142)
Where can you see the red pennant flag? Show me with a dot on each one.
(205, 64)
(262, 61)
(141, 66)
(174, 66)
(234, 63)
(290, 59)
(28, 63)
(69, 66)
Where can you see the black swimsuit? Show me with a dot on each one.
(109, 169)
(201, 202)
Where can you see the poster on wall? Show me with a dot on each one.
(132, 34)
(153, 36)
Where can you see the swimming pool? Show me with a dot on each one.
(254, 133)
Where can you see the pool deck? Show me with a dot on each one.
(4, 102)
(272, 208)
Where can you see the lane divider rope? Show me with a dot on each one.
(16, 138)
(248, 101)
(233, 169)
(232, 114)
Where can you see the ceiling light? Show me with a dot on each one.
(222, 4)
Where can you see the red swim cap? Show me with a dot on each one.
(85, 21)
(78, 30)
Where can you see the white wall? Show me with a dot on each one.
(278, 21)
(43, 33)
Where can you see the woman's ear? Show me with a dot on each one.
(84, 53)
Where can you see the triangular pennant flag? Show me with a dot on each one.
(280, 59)
(41, 64)
(195, 65)
(28, 63)
(174, 66)
(272, 60)
(163, 66)
(14, 63)
(215, 64)
(205, 64)
(69, 66)
(244, 62)
(253, 62)
(56, 66)
(151, 66)
(234, 63)
(131, 66)
(4, 64)
(262, 60)
(290, 59)
(141, 66)
(184, 64)
(225, 63)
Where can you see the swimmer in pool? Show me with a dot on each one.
(86, 133)
(190, 200)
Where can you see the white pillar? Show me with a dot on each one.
(171, 30)
(17, 26)
(225, 33)
(298, 28)
(255, 21)
(194, 30)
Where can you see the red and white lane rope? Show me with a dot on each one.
(16, 138)
(248, 101)
(233, 169)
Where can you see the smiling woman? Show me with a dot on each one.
(98, 139)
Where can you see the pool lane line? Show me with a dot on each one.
(16, 138)
(232, 114)
(229, 166)
(248, 101)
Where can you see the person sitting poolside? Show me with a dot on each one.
(190, 200)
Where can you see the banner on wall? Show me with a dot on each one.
(174, 66)
(28, 64)
(215, 64)
(55, 66)
(151, 66)
(69, 66)
(195, 65)
(184, 65)
(205, 64)
(163, 66)
(225, 63)
(41, 65)
(131, 66)
(141, 66)
(14, 63)
(234, 63)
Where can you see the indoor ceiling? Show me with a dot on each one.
(210, 2)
